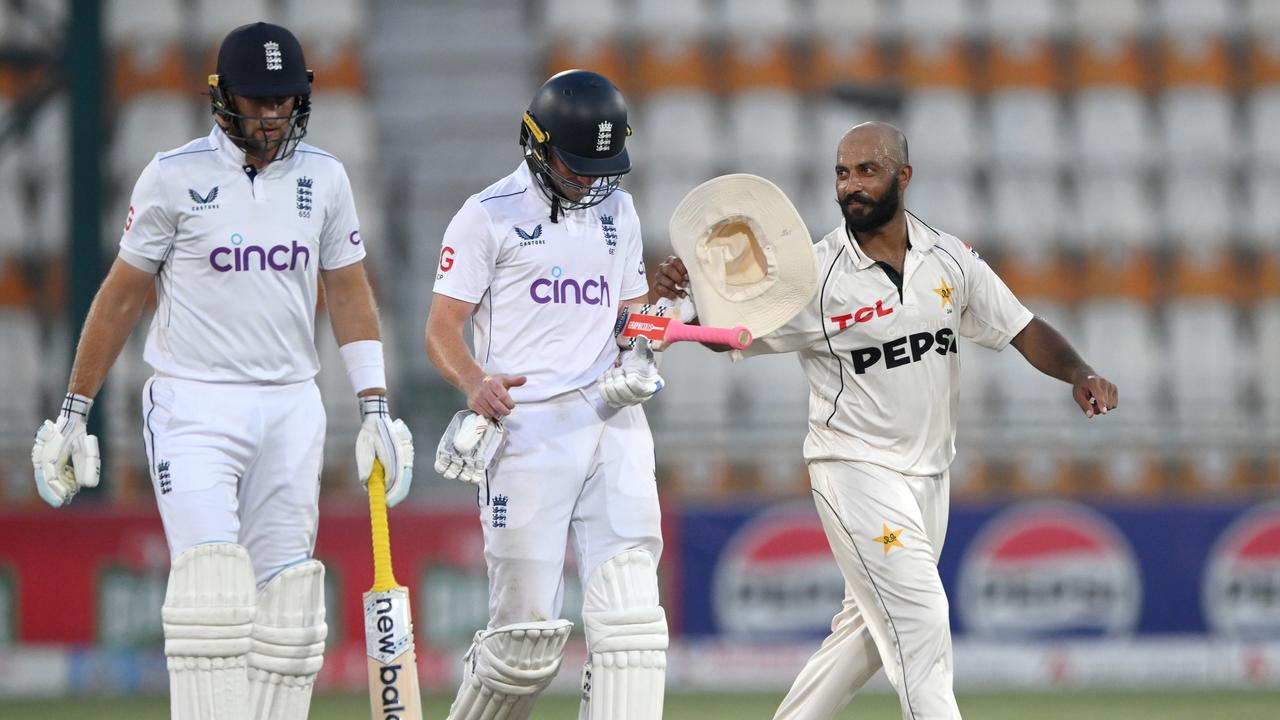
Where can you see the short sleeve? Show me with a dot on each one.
(150, 227)
(468, 255)
(635, 281)
(992, 315)
(340, 241)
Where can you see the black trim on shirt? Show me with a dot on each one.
(894, 276)
(495, 197)
(822, 318)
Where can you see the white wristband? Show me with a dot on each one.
(364, 363)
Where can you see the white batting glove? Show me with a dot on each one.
(468, 446)
(390, 442)
(634, 379)
(58, 481)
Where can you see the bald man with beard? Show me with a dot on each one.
(878, 346)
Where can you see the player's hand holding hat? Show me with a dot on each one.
(747, 251)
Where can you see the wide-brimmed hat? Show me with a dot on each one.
(748, 253)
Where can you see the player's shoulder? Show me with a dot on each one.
(198, 150)
(828, 246)
(316, 161)
(942, 240)
(507, 198)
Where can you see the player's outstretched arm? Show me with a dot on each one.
(487, 395)
(1050, 353)
(354, 317)
(65, 456)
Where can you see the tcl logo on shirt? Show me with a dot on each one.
(861, 315)
(904, 350)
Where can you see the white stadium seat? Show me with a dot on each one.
(941, 19)
(948, 201)
(1198, 209)
(1022, 18)
(20, 411)
(1091, 18)
(1026, 211)
(213, 19)
(848, 18)
(1113, 128)
(668, 19)
(1266, 330)
(1199, 17)
(1263, 111)
(1204, 363)
(941, 127)
(682, 130)
(343, 124)
(767, 132)
(1262, 221)
(1027, 128)
(747, 19)
(1113, 209)
(329, 22)
(149, 124)
(160, 25)
(1261, 17)
(1198, 127)
(13, 207)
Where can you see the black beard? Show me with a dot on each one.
(882, 211)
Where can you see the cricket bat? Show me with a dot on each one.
(388, 623)
(655, 323)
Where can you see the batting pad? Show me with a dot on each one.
(288, 643)
(626, 629)
(208, 618)
(506, 669)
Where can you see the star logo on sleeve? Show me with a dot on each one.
(890, 539)
(946, 292)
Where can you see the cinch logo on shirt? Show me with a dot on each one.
(904, 350)
(569, 291)
(862, 315)
(255, 257)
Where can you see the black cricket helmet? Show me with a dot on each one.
(255, 61)
(581, 117)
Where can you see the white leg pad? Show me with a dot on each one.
(208, 618)
(626, 669)
(288, 643)
(507, 668)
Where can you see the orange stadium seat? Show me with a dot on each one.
(341, 69)
(137, 71)
(598, 53)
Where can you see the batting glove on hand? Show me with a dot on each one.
(390, 442)
(468, 446)
(634, 379)
(58, 481)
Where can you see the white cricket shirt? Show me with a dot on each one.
(882, 363)
(547, 294)
(238, 258)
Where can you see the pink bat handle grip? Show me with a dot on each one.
(736, 337)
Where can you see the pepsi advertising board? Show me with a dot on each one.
(1030, 570)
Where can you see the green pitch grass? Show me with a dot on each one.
(1256, 705)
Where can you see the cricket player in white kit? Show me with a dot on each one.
(235, 231)
(878, 345)
(539, 263)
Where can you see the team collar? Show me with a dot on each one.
(920, 237)
(234, 154)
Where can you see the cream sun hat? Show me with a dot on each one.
(748, 253)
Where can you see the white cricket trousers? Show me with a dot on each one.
(236, 463)
(886, 531)
(573, 469)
